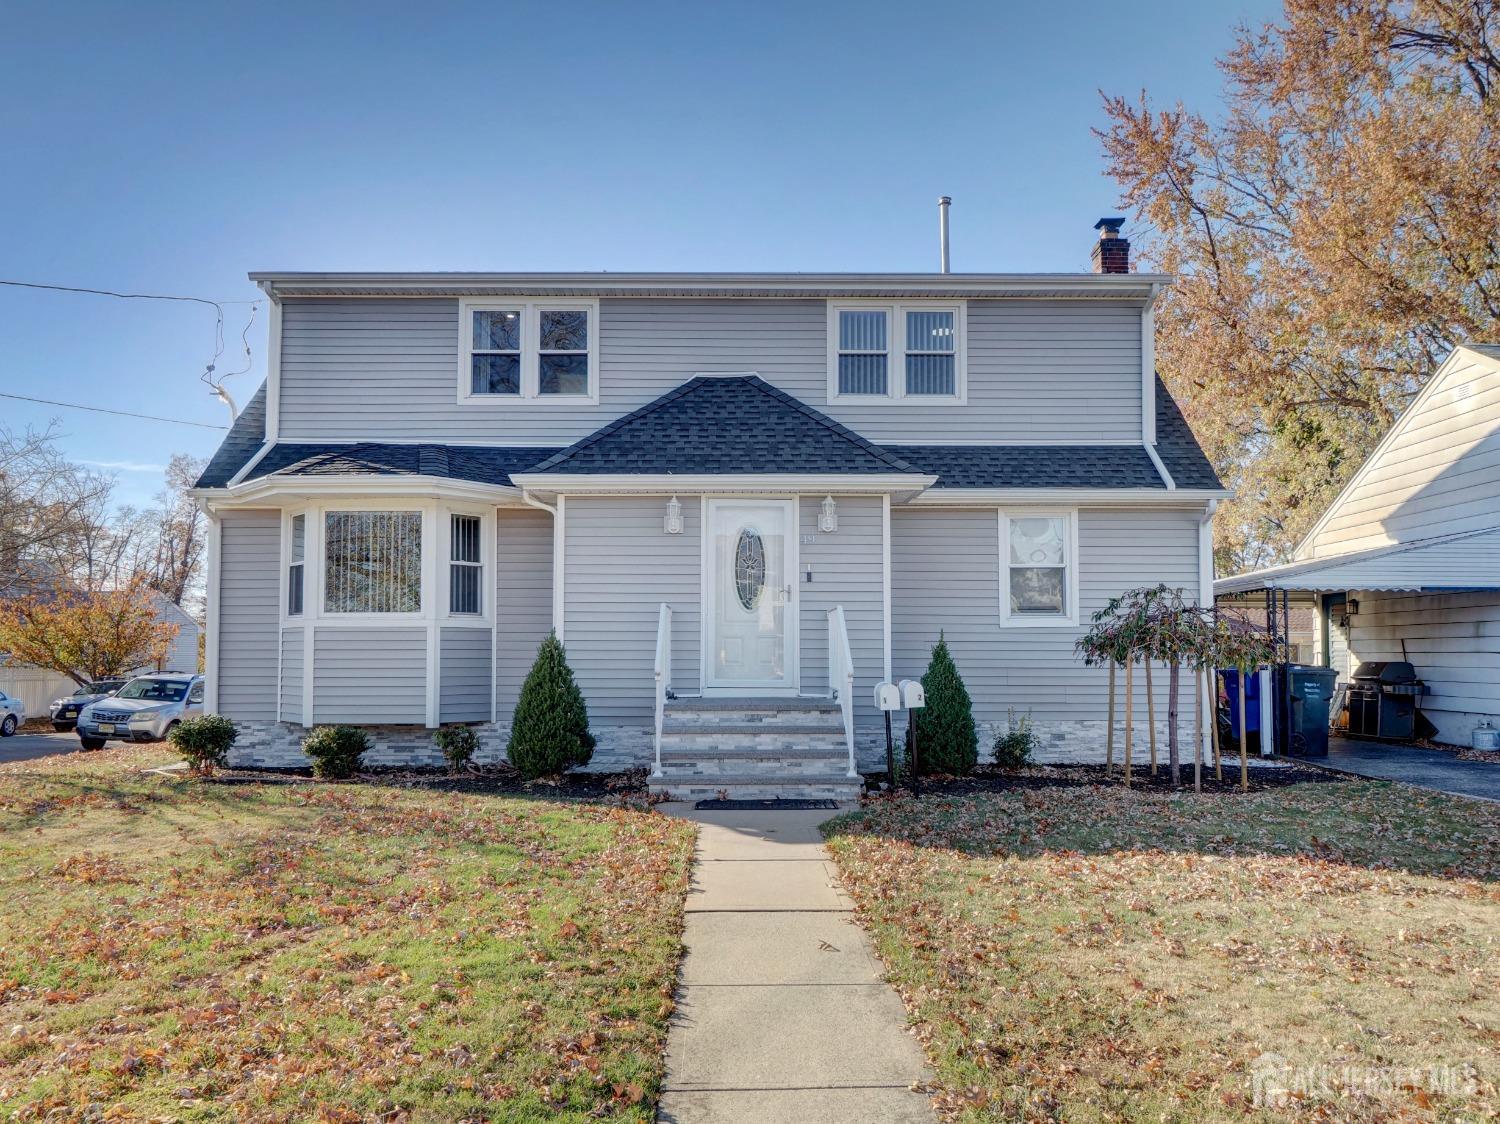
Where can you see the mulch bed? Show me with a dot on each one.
(988, 778)
(483, 780)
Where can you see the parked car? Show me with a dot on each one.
(64, 711)
(12, 714)
(143, 710)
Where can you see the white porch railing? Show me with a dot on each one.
(841, 676)
(663, 672)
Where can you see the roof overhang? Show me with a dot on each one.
(1468, 562)
(274, 490)
(545, 485)
(1073, 497)
(1075, 286)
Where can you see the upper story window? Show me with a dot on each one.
(1038, 572)
(892, 352)
(539, 351)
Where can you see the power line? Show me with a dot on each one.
(103, 410)
(123, 296)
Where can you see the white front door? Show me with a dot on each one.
(750, 596)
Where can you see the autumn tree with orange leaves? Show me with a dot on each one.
(86, 635)
(1334, 234)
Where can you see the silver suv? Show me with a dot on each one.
(142, 711)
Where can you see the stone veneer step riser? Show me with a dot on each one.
(843, 793)
(755, 767)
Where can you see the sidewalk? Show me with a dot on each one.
(781, 1012)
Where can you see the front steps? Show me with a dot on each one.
(754, 749)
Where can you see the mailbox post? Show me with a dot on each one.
(914, 699)
(887, 699)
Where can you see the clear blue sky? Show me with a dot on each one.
(174, 147)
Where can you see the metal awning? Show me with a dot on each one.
(1466, 562)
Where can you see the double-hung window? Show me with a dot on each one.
(887, 353)
(296, 571)
(372, 562)
(1038, 571)
(465, 565)
(517, 350)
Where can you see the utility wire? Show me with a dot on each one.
(121, 413)
(123, 296)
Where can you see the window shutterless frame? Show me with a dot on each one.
(898, 348)
(1069, 617)
(295, 567)
(531, 351)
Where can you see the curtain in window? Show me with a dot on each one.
(1038, 565)
(862, 358)
(374, 562)
(929, 353)
(464, 567)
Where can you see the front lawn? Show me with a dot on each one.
(172, 949)
(1085, 953)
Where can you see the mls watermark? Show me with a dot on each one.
(1278, 1082)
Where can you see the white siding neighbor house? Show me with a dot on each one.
(1405, 564)
(741, 501)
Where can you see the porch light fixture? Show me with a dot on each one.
(829, 520)
(672, 524)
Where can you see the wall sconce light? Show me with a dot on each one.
(1351, 607)
(828, 520)
(672, 524)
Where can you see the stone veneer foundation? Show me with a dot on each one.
(279, 745)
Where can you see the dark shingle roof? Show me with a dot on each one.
(1178, 448)
(481, 465)
(243, 441)
(731, 424)
(1034, 466)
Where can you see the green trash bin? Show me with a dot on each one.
(1311, 696)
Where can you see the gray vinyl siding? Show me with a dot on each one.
(523, 600)
(464, 674)
(249, 614)
(1453, 641)
(292, 663)
(1439, 475)
(945, 576)
(847, 568)
(619, 568)
(387, 369)
(370, 675)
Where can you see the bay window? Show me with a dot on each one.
(520, 350)
(1038, 568)
(296, 567)
(893, 352)
(372, 562)
(465, 565)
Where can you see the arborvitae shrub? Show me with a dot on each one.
(550, 729)
(946, 739)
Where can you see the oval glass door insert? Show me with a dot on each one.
(749, 568)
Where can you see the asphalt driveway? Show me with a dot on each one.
(1426, 768)
(25, 747)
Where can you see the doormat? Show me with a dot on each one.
(777, 805)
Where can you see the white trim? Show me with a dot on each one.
(249, 466)
(1161, 469)
(896, 352)
(1068, 619)
(487, 565)
(1134, 286)
(1302, 552)
(1148, 370)
(273, 370)
(791, 614)
(214, 562)
(663, 483)
(530, 309)
(372, 485)
(1206, 700)
(1072, 497)
(885, 584)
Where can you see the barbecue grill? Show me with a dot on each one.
(1383, 699)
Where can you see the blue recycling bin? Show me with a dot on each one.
(1252, 701)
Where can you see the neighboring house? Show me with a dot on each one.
(1405, 564)
(739, 499)
(36, 686)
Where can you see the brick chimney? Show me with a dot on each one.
(1111, 253)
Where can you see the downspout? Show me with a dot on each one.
(557, 556)
(1209, 702)
(211, 613)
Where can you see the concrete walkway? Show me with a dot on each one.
(1410, 764)
(781, 1012)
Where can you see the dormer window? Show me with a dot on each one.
(518, 350)
(895, 352)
